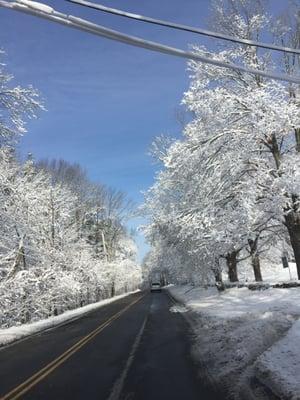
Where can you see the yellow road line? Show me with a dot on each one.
(45, 371)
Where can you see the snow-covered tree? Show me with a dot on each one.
(230, 186)
(63, 240)
(16, 105)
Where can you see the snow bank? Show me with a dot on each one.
(237, 301)
(279, 367)
(234, 329)
(10, 335)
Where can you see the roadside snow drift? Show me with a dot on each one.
(234, 331)
(279, 367)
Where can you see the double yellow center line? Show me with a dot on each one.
(24, 387)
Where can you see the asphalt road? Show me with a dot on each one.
(132, 349)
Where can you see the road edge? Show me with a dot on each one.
(53, 322)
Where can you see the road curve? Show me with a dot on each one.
(132, 349)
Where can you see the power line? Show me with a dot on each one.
(182, 27)
(44, 11)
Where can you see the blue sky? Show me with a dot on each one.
(105, 101)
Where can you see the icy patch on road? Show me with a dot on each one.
(10, 335)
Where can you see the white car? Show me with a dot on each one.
(155, 287)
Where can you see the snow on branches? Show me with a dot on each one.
(229, 189)
(56, 254)
(63, 243)
(16, 104)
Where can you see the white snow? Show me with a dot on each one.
(235, 329)
(37, 6)
(178, 309)
(271, 272)
(10, 335)
(279, 366)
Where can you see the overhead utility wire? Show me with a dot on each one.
(44, 11)
(182, 27)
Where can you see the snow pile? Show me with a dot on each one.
(10, 335)
(234, 329)
(279, 367)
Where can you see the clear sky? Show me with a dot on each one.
(106, 101)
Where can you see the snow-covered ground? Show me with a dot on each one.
(279, 366)
(271, 272)
(10, 335)
(247, 341)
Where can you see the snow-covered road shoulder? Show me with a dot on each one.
(15, 333)
(279, 367)
(246, 341)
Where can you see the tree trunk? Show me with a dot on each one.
(104, 245)
(112, 291)
(255, 259)
(218, 275)
(297, 137)
(231, 259)
(276, 151)
(20, 258)
(52, 218)
(292, 222)
(292, 219)
(256, 267)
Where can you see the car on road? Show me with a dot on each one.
(155, 287)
